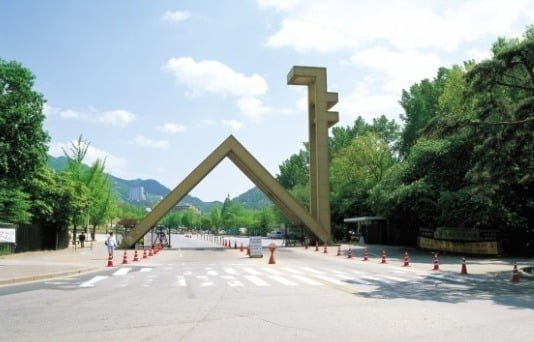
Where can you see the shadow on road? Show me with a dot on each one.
(458, 289)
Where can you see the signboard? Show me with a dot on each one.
(256, 250)
(7, 235)
(482, 248)
(149, 238)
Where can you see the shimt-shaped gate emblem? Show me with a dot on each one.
(319, 120)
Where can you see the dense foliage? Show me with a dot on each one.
(463, 158)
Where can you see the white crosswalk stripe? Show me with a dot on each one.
(93, 281)
(256, 280)
(283, 280)
(241, 275)
(122, 271)
(306, 280)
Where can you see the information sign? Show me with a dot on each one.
(256, 250)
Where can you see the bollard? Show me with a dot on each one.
(272, 248)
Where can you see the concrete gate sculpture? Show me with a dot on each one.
(319, 120)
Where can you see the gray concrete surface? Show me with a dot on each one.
(34, 266)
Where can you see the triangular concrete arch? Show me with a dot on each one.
(232, 149)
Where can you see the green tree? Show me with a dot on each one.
(23, 142)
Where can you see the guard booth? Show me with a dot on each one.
(373, 229)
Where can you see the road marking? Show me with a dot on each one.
(234, 283)
(145, 269)
(292, 270)
(229, 270)
(271, 270)
(306, 280)
(122, 271)
(180, 281)
(311, 270)
(228, 277)
(212, 273)
(256, 280)
(282, 280)
(252, 271)
(330, 280)
(187, 273)
(93, 281)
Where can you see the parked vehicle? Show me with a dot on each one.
(276, 234)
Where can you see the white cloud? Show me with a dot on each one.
(348, 25)
(479, 55)
(170, 127)
(400, 68)
(71, 114)
(279, 4)
(117, 117)
(114, 165)
(141, 140)
(252, 108)
(176, 16)
(215, 77)
(233, 124)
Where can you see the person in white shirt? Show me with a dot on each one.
(111, 243)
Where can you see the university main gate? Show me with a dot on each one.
(320, 119)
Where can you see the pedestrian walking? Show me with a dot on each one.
(82, 239)
(111, 243)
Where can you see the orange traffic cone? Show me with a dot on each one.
(384, 258)
(464, 267)
(365, 255)
(136, 258)
(317, 246)
(436, 262)
(235, 244)
(150, 252)
(241, 247)
(124, 258)
(272, 248)
(349, 256)
(248, 250)
(515, 275)
(306, 245)
(406, 260)
(338, 251)
(144, 253)
(325, 248)
(110, 260)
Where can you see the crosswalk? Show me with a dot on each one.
(239, 276)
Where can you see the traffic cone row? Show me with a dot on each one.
(384, 258)
(365, 256)
(125, 258)
(515, 275)
(464, 267)
(406, 260)
(110, 260)
(436, 262)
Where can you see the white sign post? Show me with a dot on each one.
(256, 250)
(7, 235)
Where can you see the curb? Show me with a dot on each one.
(34, 278)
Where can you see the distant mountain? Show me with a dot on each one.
(252, 199)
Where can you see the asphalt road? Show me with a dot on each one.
(201, 293)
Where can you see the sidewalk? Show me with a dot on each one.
(40, 265)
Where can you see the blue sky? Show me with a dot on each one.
(155, 86)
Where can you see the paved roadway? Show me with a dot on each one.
(201, 292)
